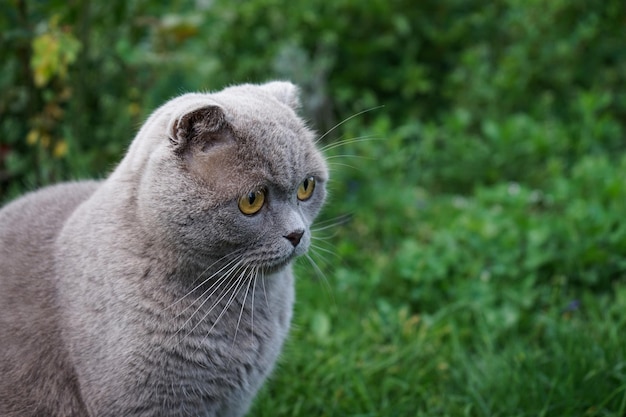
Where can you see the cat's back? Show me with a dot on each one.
(28, 229)
(30, 224)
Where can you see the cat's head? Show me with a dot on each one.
(232, 176)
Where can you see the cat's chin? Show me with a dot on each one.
(277, 265)
(274, 268)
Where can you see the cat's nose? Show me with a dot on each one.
(294, 237)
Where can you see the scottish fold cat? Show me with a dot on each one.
(165, 289)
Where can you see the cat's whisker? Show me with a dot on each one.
(344, 142)
(319, 258)
(342, 156)
(322, 228)
(205, 271)
(326, 237)
(233, 254)
(243, 306)
(230, 267)
(335, 221)
(341, 219)
(331, 224)
(347, 120)
(212, 289)
(265, 292)
(325, 250)
(256, 274)
(207, 279)
(215, 287)
(341, 164)
(237, 285)
(322, 276)
(234, 287)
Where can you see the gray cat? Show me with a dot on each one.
(166, 289)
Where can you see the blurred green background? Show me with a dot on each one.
(472, 257)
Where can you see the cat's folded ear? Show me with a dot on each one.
(202, 127)
(285, 92)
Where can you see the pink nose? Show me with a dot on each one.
(294, 237)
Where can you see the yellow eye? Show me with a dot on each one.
(305, 190)
(252, 202)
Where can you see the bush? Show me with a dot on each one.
(491, 73)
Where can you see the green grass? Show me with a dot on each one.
(354, 357)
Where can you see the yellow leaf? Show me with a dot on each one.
(53, 52)
(32, 137)
(60, 149)
(45, 59)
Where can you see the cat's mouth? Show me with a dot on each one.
(276, 261)
(277, 264)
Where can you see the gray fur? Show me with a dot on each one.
(150, 293)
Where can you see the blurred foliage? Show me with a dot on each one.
(469, 82)
(490, 183)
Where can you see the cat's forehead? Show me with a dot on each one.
(276, 154)
(269, 133)
(272, 145)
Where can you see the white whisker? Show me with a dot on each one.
(243, 306)
(325, 250)
(256, 274)
(348, 119)
(216, 286)
(237, 262)
(341, 219)
(239, 283)
(344, 142)
(341, 164)
(328, 226)
(330, 158)
(235, 252)
(265, 292)
(322, 276)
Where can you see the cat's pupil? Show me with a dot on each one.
(306, 184)
(251, 198)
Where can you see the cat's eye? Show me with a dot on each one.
(306, 188)
(252, 202)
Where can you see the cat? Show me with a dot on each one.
(166, 289)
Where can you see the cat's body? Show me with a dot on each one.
(153, 293)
